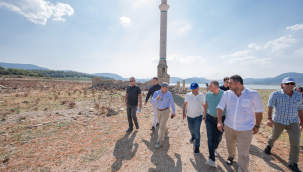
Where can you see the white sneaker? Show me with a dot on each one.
(158, 145)
(216, 153)
(211, 163)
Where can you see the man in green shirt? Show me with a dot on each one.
(214, 136)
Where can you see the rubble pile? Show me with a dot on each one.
(178, 90)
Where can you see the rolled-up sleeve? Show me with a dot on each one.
(258, 107)
(223, 102)
(203, 100)
(172, 104)
(186, 98)
(272, 100)
(154, 100)
(300, 105)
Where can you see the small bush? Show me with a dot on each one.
(71, 104)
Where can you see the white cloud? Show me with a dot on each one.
(223, 56)
(38, 11)
(258, 47)
(252, 45)
(249, 60)
(185, 29)
(295, 27)
(281, 43)
(299, 52)
(125, 21)
(177, 59)
(241, 53)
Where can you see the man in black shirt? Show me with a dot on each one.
(225, 86)
(155, 87)
(131, 101)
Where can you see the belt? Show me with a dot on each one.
(163, 109)
(212, 116)
(215, 117)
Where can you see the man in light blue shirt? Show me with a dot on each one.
(288, 109)
(163, 99)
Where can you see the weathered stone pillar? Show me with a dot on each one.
(183, 83)
(178, 84)
(162, 65)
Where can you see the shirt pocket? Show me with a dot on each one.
(245, 102)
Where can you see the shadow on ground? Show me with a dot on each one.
(179, 101)
(124, 150)
(160, 158)
(254, 150)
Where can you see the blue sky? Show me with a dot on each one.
(211, 39)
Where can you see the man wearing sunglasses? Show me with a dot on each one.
(131, 101)
(225, 86)
(288, 109)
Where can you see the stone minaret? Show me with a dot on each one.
(162, 66)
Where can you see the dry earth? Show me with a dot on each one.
(79, 138)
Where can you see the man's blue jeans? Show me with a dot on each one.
(194, 125)
(213, 134)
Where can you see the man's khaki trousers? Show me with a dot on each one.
(243, 138)
(162, 118)
(294, 134)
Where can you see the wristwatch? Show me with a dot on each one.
(257, 126)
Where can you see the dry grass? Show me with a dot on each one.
(50, 134)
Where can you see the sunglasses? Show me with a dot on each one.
(131, 81)
(290, 83)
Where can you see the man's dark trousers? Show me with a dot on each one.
(131, 115)
(213, 134)
(194, 125)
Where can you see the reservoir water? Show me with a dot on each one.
(271, 87)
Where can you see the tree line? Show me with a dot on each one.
(68, 75)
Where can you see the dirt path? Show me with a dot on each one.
(98, 143)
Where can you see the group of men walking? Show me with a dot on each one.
(230, 108)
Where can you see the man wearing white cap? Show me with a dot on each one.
(163, 100)
(288, 109)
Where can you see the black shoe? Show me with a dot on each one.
(157, 124)
(129, 129)
(229, 161)
(294, 167)
(267, 150)
(196, 151)
(192, 140)
(153, 128)
(137, 127)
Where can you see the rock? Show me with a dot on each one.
(1, 86)
(121, 109)
(26, 102)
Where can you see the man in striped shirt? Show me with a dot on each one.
(288, 109)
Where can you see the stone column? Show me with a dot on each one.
(162, 65)
(178, 84)
(183, 83)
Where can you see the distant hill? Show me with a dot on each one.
(276, 80)
(118, 77)
(21, 66)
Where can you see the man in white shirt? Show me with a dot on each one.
(194, 102)
(243, 117)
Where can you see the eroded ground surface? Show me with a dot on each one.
(66, 137)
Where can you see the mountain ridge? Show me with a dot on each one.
(201, 80)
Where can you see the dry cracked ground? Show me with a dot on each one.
(85, 137)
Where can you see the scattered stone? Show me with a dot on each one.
(1, 86)
(121, 109)
(26, 102)
(4, 161)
